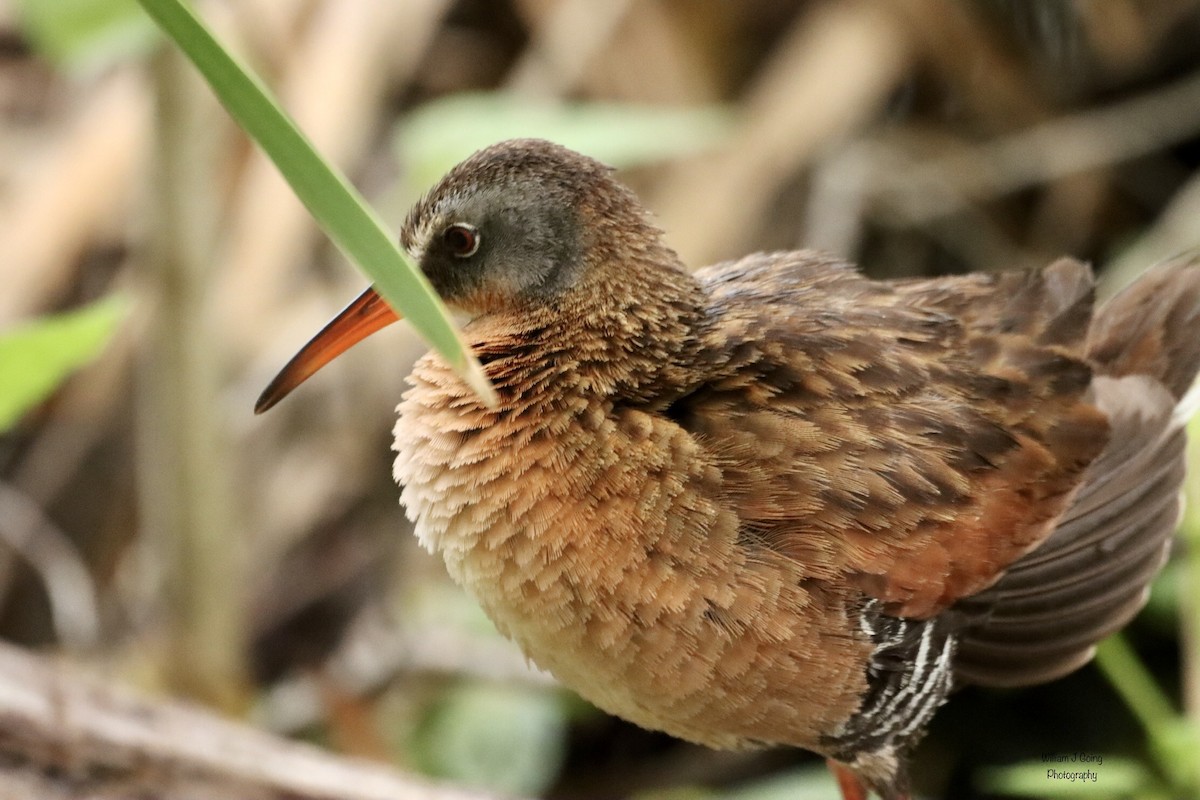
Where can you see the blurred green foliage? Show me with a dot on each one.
(83, 34)
(37, 357)
(502, 738)
(439, 134)
(810, 783)
(1114, 779)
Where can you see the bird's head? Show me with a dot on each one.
(519, 224)
(514, 224)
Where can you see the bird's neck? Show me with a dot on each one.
(632, 335)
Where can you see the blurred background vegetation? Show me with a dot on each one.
(151, 527)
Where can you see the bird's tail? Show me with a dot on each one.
(1153, 327)
(1044, 618)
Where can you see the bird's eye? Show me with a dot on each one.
(462, 239)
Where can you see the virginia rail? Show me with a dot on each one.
(773, 502)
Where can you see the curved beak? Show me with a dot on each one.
(365, 315)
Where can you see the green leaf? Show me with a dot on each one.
(438, 135)
(37, 357)
(811, 783)
(333, 202)
(1113, 778)
(87, 33)
(508, 740)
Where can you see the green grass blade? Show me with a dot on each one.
(1171, 736)
(36, 357)
(333, 202)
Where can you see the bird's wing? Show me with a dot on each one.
(912, 438)
(1046, 614)
(1043, 618)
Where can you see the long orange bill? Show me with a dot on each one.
(367, 314)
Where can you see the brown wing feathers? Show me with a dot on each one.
(882, 434)
(1027, 376)
(1044, 617)
(1009, 437)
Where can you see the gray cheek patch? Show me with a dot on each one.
(535, 254)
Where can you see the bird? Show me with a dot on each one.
(774, 502)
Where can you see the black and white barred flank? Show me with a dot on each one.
(909, 676)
